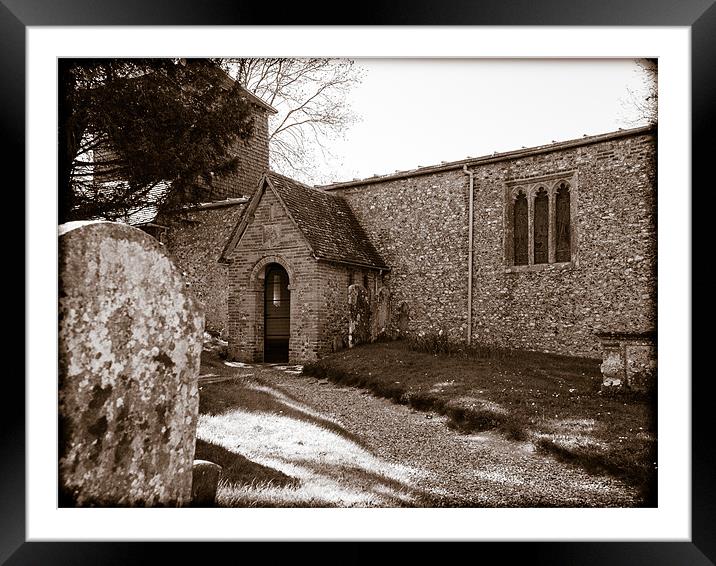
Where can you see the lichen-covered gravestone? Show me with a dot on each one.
(380, 315)
(358, 315)
(130, 338)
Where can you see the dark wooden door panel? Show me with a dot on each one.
(277, 315)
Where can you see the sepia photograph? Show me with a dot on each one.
(368, 282)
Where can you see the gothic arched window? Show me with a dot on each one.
(520, 228)
(562, 212)
(541, 227)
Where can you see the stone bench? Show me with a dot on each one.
(629, 360)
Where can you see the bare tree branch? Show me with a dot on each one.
(311, 98)
(644, 105)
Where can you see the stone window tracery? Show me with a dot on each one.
(539, 223)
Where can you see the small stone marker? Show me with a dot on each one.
(205, 480)
(130, 337)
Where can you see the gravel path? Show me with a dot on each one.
(453, 469)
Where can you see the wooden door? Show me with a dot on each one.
(277, 314)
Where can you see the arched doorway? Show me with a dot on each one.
(277, 314)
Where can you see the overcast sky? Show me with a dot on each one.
(423, 111)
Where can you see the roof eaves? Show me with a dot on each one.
(254, 99)
(217, 204)
(352, 263)
(258, 101)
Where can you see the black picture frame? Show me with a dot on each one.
(699, 15)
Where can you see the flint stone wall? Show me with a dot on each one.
(194, 241)
(419, 224)
(130, 338)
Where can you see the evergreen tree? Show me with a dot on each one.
(144, 132)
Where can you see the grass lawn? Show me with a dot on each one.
(554, 401)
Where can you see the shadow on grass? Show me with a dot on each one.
(221, 397)
(374, 489)
(238, 469)
(372, 482)
(329, 470)
(409, 497)
(639, 473)
(465, 419)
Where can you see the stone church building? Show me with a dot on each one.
(545, 249)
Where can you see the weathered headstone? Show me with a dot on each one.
(380, 317)
(205, 481)
(358, 315)
(130, 338)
